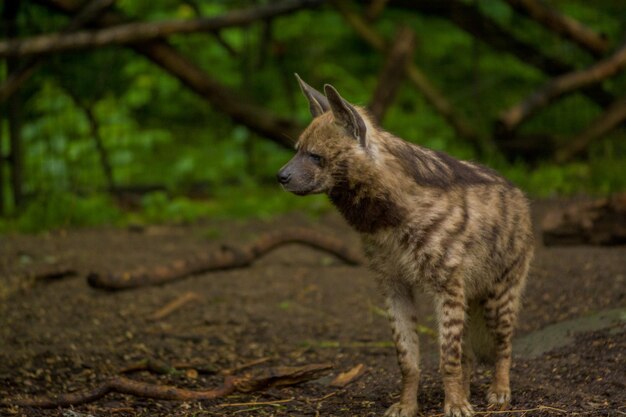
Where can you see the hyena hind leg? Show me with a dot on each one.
(453, 362)
(402, 315)
(501, 309)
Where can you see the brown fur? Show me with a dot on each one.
(431, 223)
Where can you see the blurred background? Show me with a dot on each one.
(133, 112)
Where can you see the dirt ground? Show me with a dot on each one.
(295, 306)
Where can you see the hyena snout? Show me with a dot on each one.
(283, 177)
(299, 177)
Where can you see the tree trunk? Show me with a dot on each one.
(2, 165)
(597, 222)
(14, 111)
(103, 154)
(393, 72)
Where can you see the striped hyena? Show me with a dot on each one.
(429, 222)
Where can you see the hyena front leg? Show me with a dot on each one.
(500, 314)
(402, 315)
(451, 318)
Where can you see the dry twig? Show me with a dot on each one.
(253, 403)
(173, 305)
(246, 365)
(345, 378)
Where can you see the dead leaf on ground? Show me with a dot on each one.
(344, 378)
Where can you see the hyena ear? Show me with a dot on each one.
(318, 104)
(346, 115)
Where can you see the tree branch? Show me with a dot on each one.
(434, 97)
(145, 31)
(393, 72)
(614, 116)
(280, 130)
(375, 9)
(15, 79)
(565, 84)
(468, 18)
(593, 42)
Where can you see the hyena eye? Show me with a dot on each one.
(317, 159)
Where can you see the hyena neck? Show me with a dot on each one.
(364, 207)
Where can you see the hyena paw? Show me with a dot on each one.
(499, 396)
(458, 409)
(401, 410)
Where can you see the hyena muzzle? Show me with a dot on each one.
(430, 223)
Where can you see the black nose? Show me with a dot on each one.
(283, 177)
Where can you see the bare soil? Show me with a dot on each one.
(296, 306)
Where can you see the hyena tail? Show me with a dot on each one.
(478, 336)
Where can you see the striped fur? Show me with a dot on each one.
(431, 223)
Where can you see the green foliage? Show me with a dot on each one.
(63, 210)
(157, 132)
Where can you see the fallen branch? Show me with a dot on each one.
(127, 386)
(599, 222)
(225, 258)
(563, 25)
(393, 72)
(560, 86)
(137, 32)
(612, 118)
(273, 377)
(51, 272)
(280, 130)
(434, 97)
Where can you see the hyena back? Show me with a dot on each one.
(431, 223)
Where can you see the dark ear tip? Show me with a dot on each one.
(329, 87)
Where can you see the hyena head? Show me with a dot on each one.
(337, 133)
